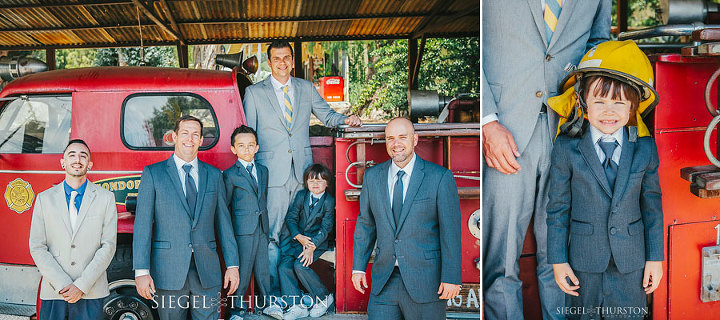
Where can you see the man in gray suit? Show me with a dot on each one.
(181, 202)
(279, 108)
(527, 45)
(410, 208)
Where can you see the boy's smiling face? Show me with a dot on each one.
(605, 113)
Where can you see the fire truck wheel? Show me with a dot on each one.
(124, 303)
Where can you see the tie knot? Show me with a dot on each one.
(187, 168)
(286, 88)
(400, 174)
(73, 194)
(249, 168)
(608, 147)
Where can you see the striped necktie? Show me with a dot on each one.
(288, 109)
(551, 15)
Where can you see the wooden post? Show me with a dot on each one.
(298, 69)
(622, 15)
(412, 58)
(50, 59)
(182, 51)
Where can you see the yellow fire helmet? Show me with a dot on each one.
(622, 60)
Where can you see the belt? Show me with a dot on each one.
(543, 108)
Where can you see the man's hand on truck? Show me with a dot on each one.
(145, 286)
(563, 271)
(499, 148)
(353, 121)
(71, 293)
(652, 275)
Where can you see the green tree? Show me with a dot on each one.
(154, 57)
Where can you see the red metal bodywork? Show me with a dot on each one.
(680, 122)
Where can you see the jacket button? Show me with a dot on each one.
(72, 263)
(290, 134)
(539, 94)
(548, 57)
(289, 151)
(72, 246)
(613, 230)
(190, 245)
(614, 211)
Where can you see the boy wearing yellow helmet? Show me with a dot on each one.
(604, 215)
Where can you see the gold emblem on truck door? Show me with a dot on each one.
(19, 195)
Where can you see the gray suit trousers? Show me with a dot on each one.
(608, 295)
(253, 260)
(278, 202)
(204, 303)
(509, 203)
(394, 303)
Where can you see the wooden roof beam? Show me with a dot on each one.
(148, 13)
(168, 14)
(69, 4)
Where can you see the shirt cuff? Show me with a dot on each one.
(490, 118)
(142, 272)
(231, 267)
(358, 271)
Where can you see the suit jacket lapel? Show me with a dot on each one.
(416, 179)
(563, 20)
(202, 188)
(626, 158)
(270, 92)
(87, 200)
(385, 194)
(172, 171)
(537, 13)
(296, 97)
(246, 175)
(58, 200)
(587, 150)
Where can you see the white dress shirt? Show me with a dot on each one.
(318, 196)
(244, 164)
(596, 136)
(278, 88)
(392, 178)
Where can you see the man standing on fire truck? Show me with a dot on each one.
(72, 240)
(527, 44)
(279, 108)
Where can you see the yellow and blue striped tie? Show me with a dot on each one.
(551, 15)
(288, 106)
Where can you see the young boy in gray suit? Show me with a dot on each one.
(309, 221)
(246, 183)
(605, 223)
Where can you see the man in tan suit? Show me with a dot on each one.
(72, 240)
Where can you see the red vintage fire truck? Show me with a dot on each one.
(125, 114)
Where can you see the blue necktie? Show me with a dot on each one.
(314, 202)
(551, 15)
(190, 191)
(608, 147)
(398, 197)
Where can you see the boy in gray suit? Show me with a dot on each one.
(604, 215)
(246, 184)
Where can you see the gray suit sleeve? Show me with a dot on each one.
(365, 232)
(651, 208)
(104, 254)
(144, 218)
(448, 206)
(488, 100)
(250, 108)
(558, 207)
(600, 31)
(224, 227)
(49, 268)
(328, 221)
(323, 112)
(292, 216)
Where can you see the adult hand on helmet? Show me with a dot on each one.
(499, 148)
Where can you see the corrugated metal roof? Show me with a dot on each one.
(94, 23)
